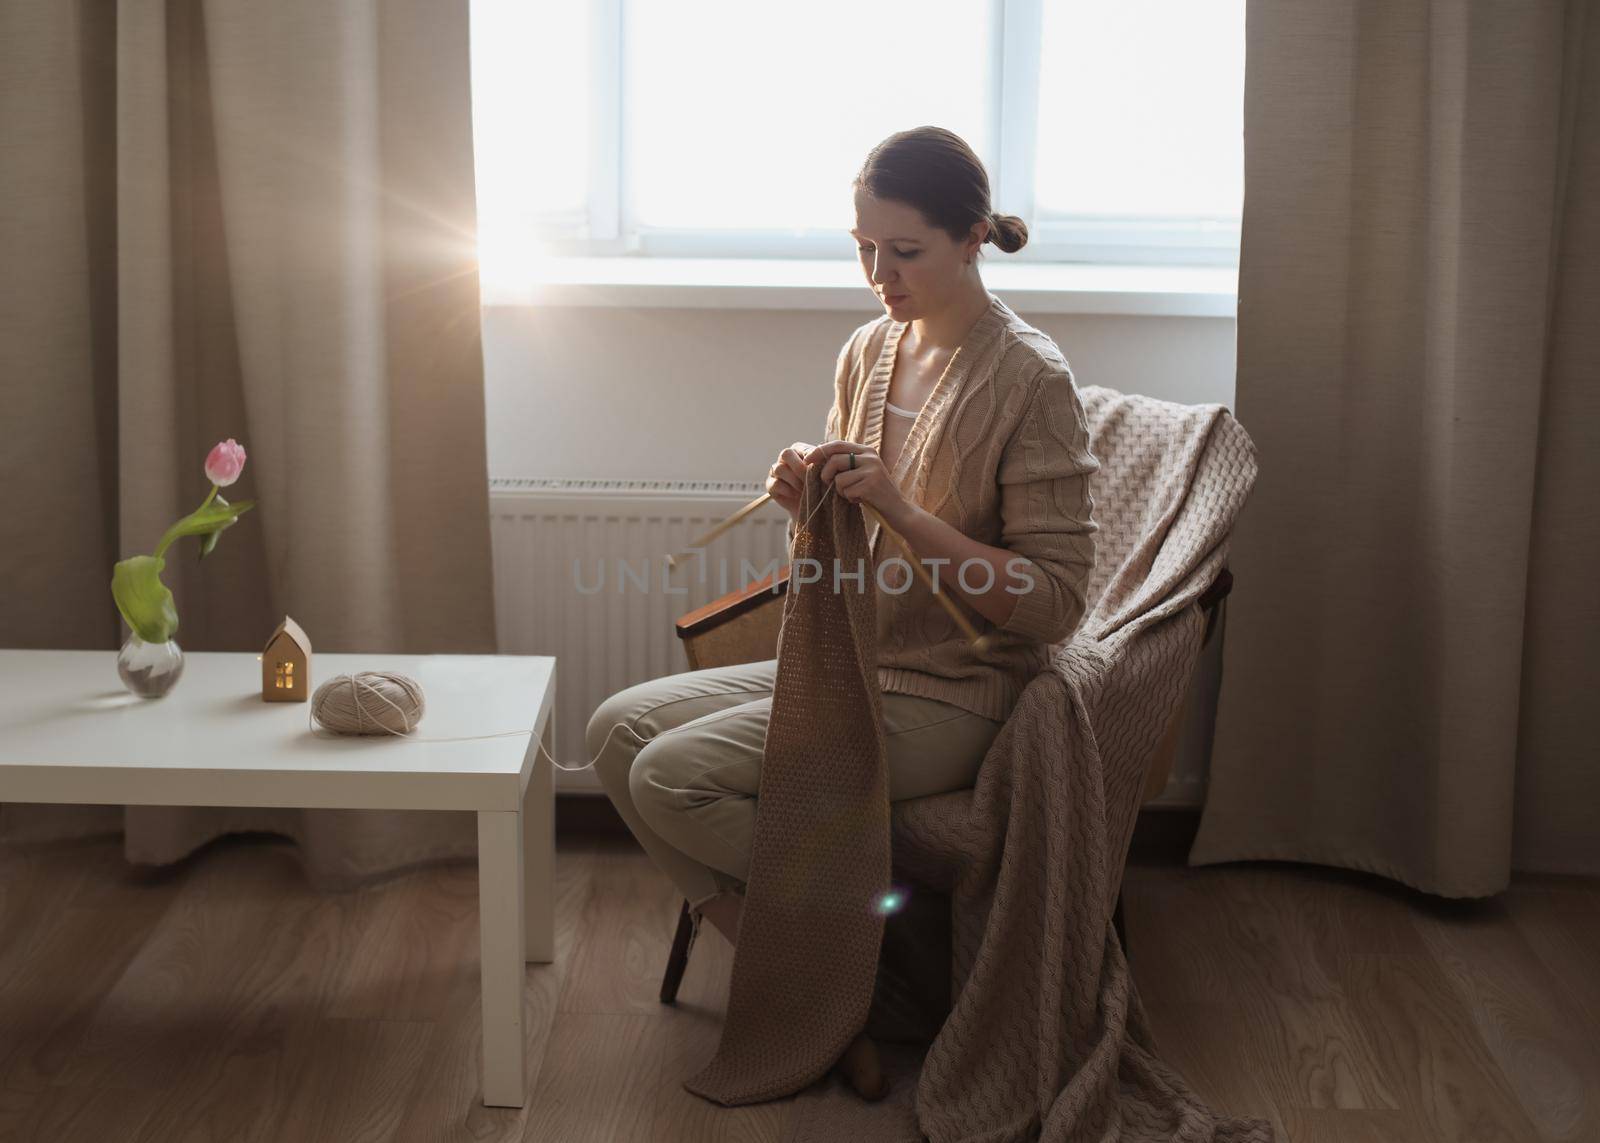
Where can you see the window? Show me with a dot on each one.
(1140, 139)
(726, 129)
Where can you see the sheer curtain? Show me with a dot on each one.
(257, 221)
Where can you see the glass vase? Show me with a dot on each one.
(149, 670)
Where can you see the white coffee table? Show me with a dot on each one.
(69, 732)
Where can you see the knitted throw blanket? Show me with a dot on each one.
(809, 935)
(1047, 1039)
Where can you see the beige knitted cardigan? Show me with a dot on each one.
(999, 451)
(1046, 1038)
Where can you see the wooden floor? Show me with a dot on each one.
(221, 999)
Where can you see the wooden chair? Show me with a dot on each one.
(742, 627)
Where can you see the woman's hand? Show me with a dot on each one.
(868, 482)
(786, 477)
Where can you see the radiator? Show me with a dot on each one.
(618, 532)
(578, 574)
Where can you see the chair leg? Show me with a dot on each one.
(678, 959)
(1116, 920)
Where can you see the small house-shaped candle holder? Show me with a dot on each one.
(286, 665)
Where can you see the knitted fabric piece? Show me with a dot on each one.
(810, 932)
(1046, 1038)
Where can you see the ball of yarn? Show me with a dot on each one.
(369, 702)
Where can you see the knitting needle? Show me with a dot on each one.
(943, 597)
(702, 541)
(977, 640)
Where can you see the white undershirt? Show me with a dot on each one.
(895, 430)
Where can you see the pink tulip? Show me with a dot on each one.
(225, 462)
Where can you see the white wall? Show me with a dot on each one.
(714, 394)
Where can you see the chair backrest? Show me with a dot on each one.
(1122, 500)
(1147, 448)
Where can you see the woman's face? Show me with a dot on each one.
(915, 269)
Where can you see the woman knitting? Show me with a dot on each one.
(961, 425)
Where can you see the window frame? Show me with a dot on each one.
(607, 227)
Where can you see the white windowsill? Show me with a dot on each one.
(816, 284)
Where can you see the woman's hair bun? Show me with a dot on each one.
(934, 170)
(1008, 232)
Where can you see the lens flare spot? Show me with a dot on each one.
(890, 901)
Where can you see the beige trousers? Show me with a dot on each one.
(684, 766)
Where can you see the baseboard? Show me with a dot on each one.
(582, 813)
(1162, 833)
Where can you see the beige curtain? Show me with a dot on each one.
(1411, 663)
(248, 220)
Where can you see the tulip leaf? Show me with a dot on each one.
(205, 521)
(143, 599)
(209, 540)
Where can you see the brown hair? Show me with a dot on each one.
(935, 171)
